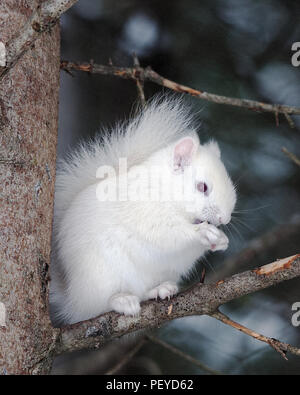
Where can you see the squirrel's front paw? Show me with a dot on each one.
(212, 237)
(164, 290)
(126, 304)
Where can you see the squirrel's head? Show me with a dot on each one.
(209, 194)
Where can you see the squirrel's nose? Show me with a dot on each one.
(224, 220)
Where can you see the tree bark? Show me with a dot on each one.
(28, 134)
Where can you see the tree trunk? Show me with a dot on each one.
(28, 134)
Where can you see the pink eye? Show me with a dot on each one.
(202, 187)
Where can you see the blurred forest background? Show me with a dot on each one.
(236, 48)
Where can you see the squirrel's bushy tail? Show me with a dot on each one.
(164, 120)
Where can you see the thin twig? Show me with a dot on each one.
(203, 274)
(290, 121)
(147, 74)
(126, 358)
(183, 355)
(139, 82)
(281, 348)
(293, 157)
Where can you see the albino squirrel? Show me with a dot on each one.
(111, 253)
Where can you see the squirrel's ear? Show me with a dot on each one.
(213, 146)
(183, 153)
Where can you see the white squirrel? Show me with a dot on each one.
(111, 254)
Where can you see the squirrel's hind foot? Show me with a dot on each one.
(126, 304)
(163, 291)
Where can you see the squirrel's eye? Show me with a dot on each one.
(202, 187)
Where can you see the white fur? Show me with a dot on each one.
(112, 255)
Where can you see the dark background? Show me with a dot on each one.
(237, 48)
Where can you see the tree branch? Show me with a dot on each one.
(147, 74)
(280, 347)
(199, 300)
(43, 18)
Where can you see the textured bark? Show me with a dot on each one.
(29, 112)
